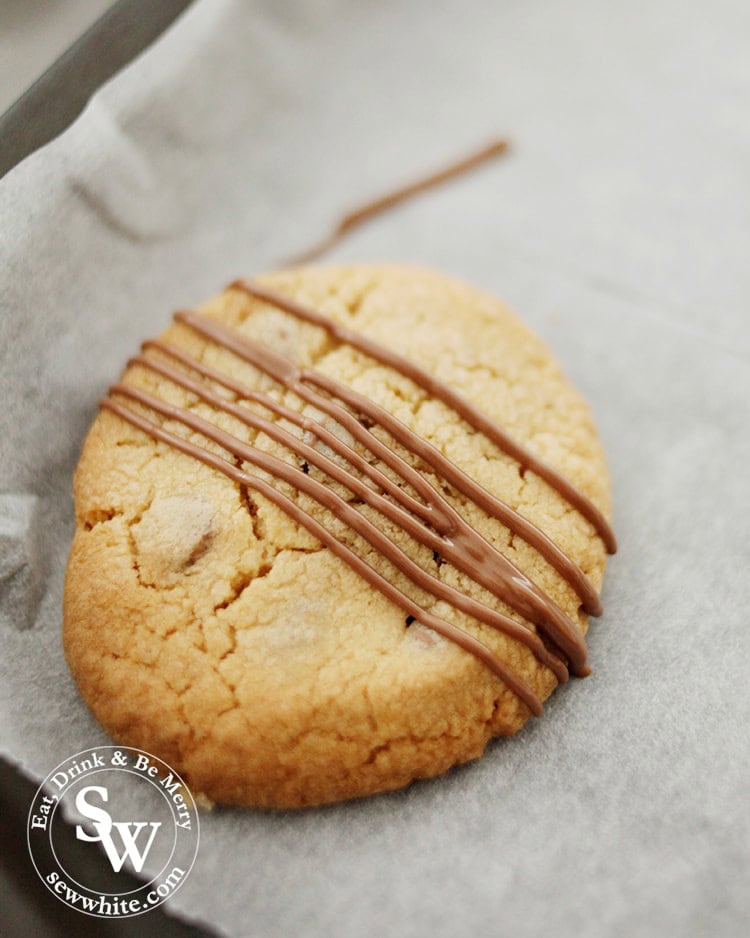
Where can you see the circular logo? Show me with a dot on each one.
(97, 789)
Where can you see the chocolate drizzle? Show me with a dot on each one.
(448, 396)
(377, 206)
(428, 518)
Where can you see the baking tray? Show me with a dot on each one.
(626, 811)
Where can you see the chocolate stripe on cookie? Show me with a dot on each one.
(420, 577)
(448, 396)
(304, 423)
(336, 504)
(459, 543)
(488, 502)
(285, 372)
(410, 500)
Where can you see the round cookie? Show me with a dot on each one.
(205, 625)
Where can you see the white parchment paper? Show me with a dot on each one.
(619, 228)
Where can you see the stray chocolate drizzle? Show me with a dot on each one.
(365, 212)
(428, 518)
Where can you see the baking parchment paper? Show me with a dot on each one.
(619, 228)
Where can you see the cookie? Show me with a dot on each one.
(334, 531)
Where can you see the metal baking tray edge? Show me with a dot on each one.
(54, 101)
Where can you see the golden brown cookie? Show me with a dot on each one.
(205, 624)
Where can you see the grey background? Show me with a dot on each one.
(618, 228)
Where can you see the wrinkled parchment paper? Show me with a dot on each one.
(618, 228)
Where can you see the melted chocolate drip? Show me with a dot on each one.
(371, 209)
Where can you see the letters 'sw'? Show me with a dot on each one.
(129, 832)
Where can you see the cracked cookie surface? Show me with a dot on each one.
(204, 625)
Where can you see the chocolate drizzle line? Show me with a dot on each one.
(365, 212)
(457, 541)
(345, 512)
(287, 374)
(419, 576)
(448, 396)
(428, 518)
